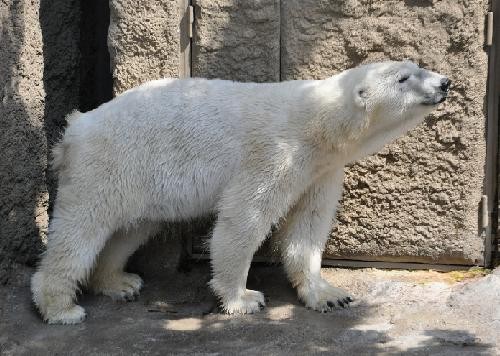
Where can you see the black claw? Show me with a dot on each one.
(132, 297)
(330, 304)
(261, 306)
(340, 303)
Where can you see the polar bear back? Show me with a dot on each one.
(169, 147)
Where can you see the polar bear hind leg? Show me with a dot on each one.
(77, 235)
(109, 277)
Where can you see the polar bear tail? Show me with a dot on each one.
(60, 148)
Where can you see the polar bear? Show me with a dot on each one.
(258, 155)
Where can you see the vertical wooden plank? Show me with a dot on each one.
(185, 39)
(492, 158)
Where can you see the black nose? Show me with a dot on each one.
(445, 84)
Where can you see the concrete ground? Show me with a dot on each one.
(396, 312)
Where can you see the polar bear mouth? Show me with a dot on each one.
(436, 99)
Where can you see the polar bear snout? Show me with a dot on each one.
(438, 91)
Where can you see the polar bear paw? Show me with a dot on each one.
(119, 286)
(54, 298)
(250, 302)
(74, 314)
(321, 296)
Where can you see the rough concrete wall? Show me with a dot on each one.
(417, 200)
(60, 25)
(144, 44)
(143, 41)
(23, 194)
(38, 55)
(237, 40)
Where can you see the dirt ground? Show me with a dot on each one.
(396, 312)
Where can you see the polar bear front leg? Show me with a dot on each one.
(302, 239)
(244, 220)
(231, 249)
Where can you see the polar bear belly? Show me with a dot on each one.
(183, 188)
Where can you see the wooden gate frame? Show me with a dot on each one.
(491, 190)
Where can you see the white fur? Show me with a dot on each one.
(257, 154)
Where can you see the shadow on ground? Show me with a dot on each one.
(177, 315)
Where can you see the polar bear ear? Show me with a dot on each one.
(360, 96)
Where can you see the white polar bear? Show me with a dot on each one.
(256, 154)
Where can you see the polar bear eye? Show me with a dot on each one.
(404, 79)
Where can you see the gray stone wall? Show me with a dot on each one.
(39, 85)
(417, 200)
(39, 57)
(23, 192)
(143, 41)
(60, 28)
(237, 40)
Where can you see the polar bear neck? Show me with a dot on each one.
(331, 120)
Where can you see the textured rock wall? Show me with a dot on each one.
(23, 194)
(60, 26)
(417, 200)
(144, 41)
(37, 54)
(238, 40)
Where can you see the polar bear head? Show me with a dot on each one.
(398, 90)
(390, 98)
